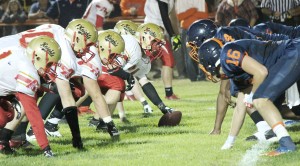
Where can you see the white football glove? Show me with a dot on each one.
(147, 109)
(248, 100)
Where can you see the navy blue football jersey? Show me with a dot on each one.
(292, 32)
(281, 58)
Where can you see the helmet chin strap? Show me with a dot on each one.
(208, 74)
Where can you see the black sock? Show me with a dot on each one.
(72, 119)
(169, 91)
(20, 133)
(256, 117)
(151, 93)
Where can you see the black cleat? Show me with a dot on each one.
(269, 135)
(94, 122)
(77, 143)
(48, 152)
(112, 130)
(101, 126)
(52, 129)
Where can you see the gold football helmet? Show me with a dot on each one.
(81, 34)
(126, 27)
(44, 52)
(111, 47)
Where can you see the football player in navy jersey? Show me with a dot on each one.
(271, 27)
(201, 30)
(274, 68)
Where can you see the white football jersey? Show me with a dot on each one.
(97, 11)
(134, 52)
(17, 73)
(152, 12)
(68, 65)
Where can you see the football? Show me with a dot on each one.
(170, 119)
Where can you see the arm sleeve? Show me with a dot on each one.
(163, 8)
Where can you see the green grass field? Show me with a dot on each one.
(143, 143)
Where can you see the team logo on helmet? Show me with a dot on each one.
(82, 31)
(45, 47)
(110, 39)
(128, 28)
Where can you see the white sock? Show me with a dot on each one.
(280, 131)
(122, 114)
(262, 126)
(142, 99)
(53, 120)
(129, 93)
(230, 139)
(107, 119)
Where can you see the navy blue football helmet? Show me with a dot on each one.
(197, 33)
(239, 22)
(263, 27)
(209, 58)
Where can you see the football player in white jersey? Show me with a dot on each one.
(98, 10)
(157, 12)
(79, 57)
(19, 82)
(139, 63)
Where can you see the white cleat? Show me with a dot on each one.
(53, 133)
(227, 146)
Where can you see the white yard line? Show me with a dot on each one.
(252, 156)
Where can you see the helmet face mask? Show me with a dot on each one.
(44, 53)
(111, 49)
(81, 34)
(151, 39)
(197, 33)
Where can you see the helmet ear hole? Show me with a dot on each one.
(38, 58)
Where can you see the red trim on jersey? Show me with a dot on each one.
(99, 21)
(92, 67)
(5, 54)
(33, 34)
(30, 83)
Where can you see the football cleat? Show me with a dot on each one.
(286, 146)
(5, 148)
(112, 130)
(269, 135)
(30, 135)
(52, 129)
(289, 123)
(166, 109)
(77, 143)
(172, 97)
(94, 122)
(227, 146)
(101, 126)
(48, 153)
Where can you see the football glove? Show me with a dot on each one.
(176, 42)
(130, 83)
(248, 100)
